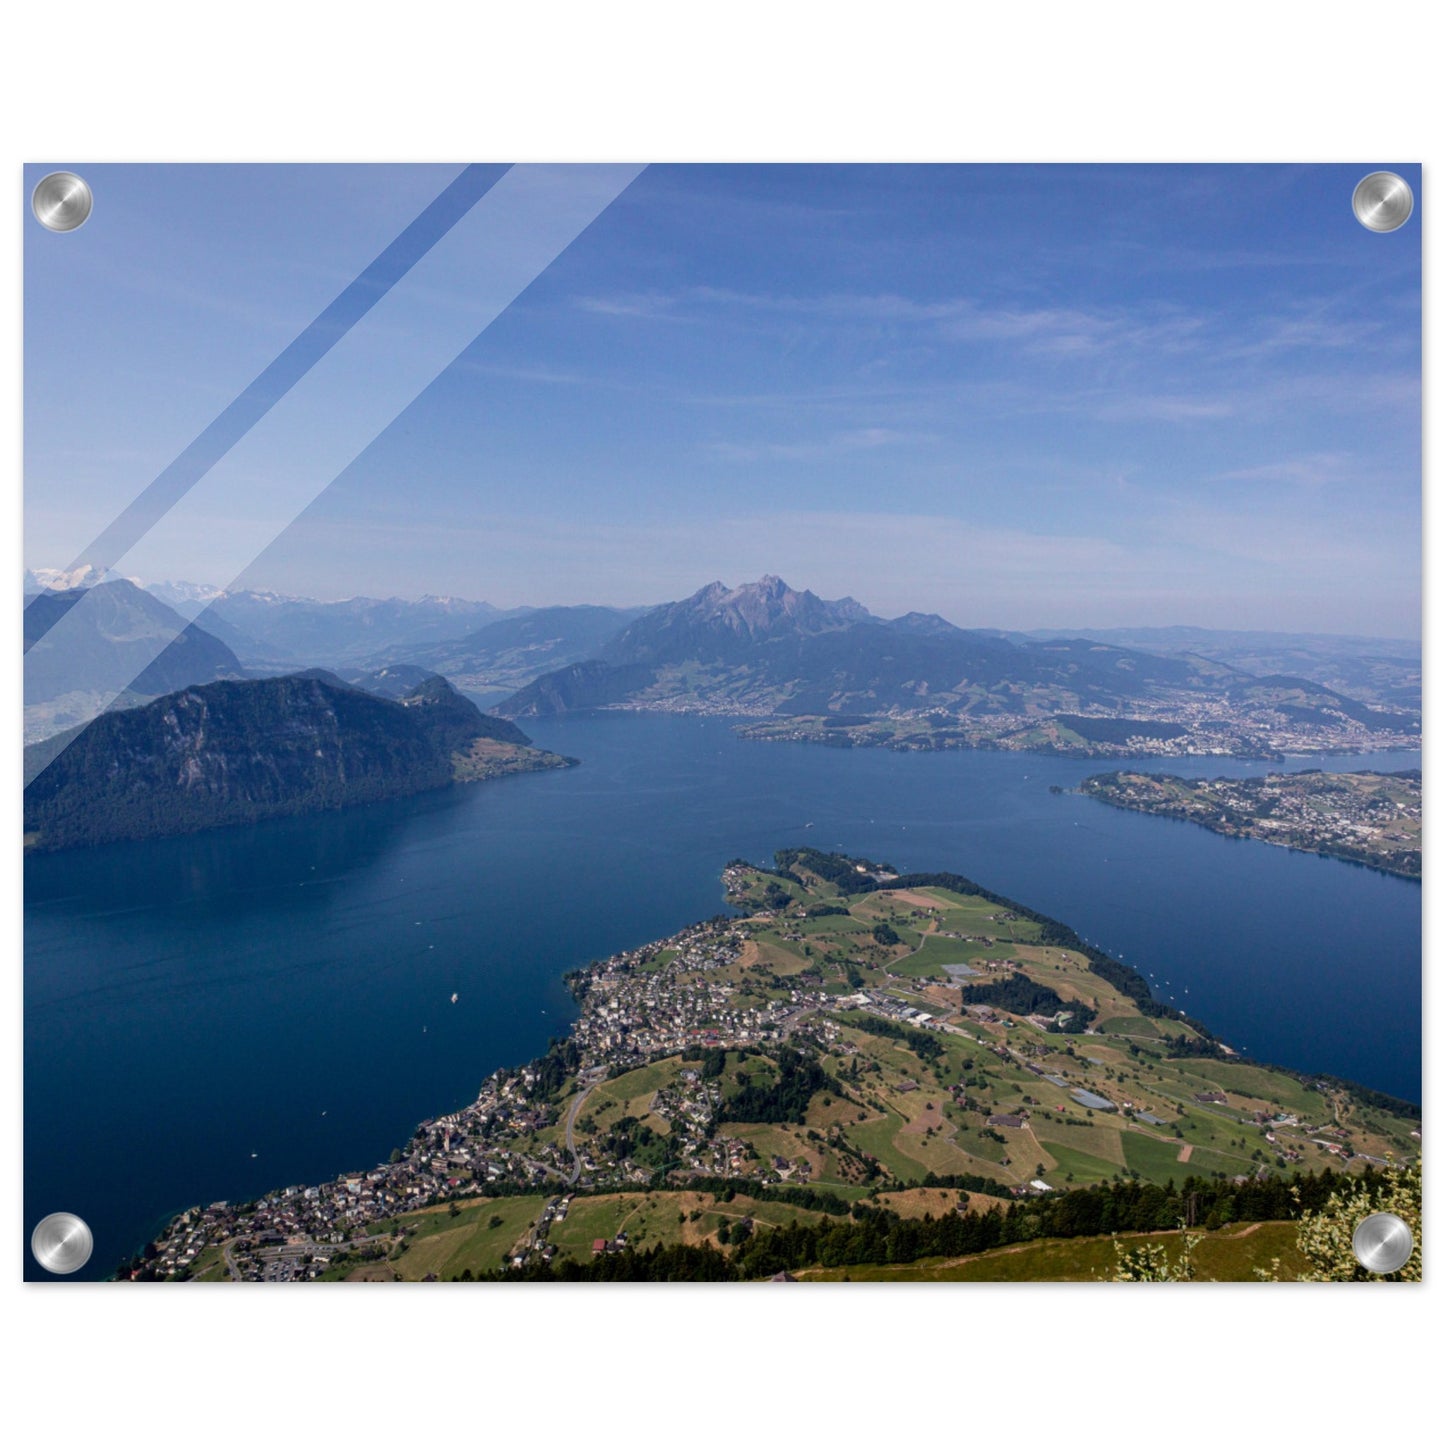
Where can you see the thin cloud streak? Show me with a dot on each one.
(863, 439)
(1204, 390)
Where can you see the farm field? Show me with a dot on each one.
(812, 1061)
(442, 1245)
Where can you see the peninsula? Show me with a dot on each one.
(1368, 818)
(854, 1066)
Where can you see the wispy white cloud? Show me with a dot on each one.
(860, 439)
(644, 306)
(1164, 408)
(1318, 469)
(1270, 395)
(521, 371)
(1062, 331)
(1310, 333)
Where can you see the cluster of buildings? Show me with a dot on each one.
(554, 1211)
(479, 1149)
(1210, 727)
(1361, 817)
(634, 1009)
(638, 1005)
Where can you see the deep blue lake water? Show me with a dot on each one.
(214, 1016)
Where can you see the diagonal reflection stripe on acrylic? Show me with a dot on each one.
(464, 191)
(315, 432)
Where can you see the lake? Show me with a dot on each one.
(214, 1016)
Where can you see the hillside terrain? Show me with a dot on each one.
(1369, 818)
(238, 752)
(810, 670)
(861, 1067)
(1381, 671)
(110, 649)
(330, 634)
(504, 655)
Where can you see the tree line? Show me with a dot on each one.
(879, 1236)
(927, 1046)
(1019, 994)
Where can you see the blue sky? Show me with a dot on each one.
(1018, 396)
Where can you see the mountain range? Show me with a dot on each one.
(1380, 670)
(509, 652)
(769, 649)
(110, 652)
(847, 677)
(267, 627)
(107, 661)
(763, 650)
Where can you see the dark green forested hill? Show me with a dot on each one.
(452, 721)
(235, 752)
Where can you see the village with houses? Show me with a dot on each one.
(1369, 818)
(1180, 727)
(844, 1036)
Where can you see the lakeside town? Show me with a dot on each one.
(1197, 727)
(1369, 818)
(984, 1066)
(637, 1005)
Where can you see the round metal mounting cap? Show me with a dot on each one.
(1382, 1242)
(1383, 201)
(61, 1243)
(62, 201)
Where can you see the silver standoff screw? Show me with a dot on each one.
(1383, 201)
(62, 201)
(1382, 1242)
(61, 1243)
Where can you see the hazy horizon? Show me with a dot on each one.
(1010, 395)
(648, 603)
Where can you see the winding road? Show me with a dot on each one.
(588, 1079)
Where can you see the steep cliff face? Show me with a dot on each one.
(232, 752)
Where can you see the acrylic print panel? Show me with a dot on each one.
(578, 717)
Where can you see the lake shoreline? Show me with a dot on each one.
(192, 1002)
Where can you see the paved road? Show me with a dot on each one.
(226, 1249)
(589, 1081)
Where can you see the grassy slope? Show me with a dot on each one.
(900, 1109)
(1231, 1253)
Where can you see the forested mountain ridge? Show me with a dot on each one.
(237, 752)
